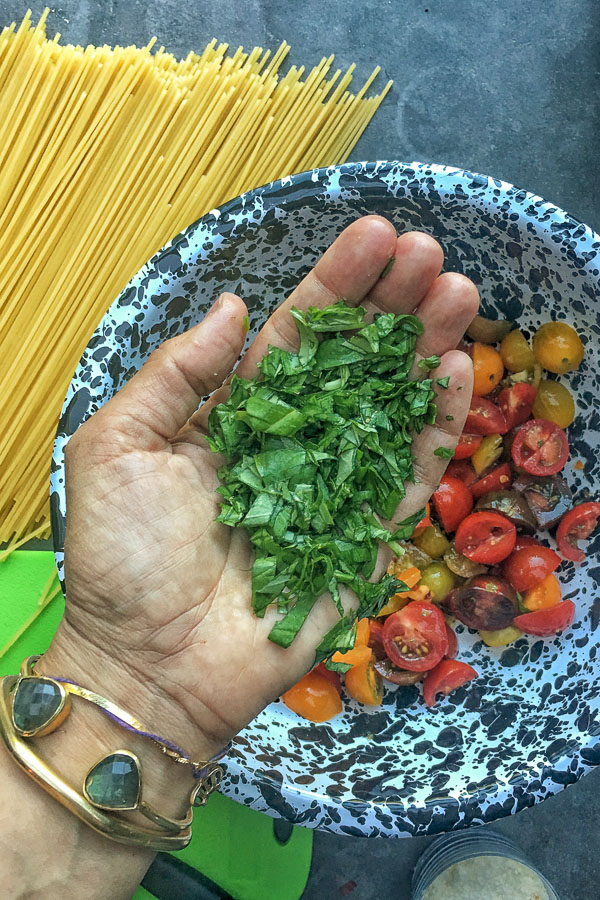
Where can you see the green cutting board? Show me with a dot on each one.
(233, 846)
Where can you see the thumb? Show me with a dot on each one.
(152, 407)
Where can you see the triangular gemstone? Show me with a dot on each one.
(35, 702)
(114, 782)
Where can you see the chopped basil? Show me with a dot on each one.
(317, 452)
(449, 418)
(444, 452)
(443, 382)
(432, 362)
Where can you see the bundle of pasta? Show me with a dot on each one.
(105, 155)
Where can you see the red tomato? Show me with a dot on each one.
(376, 638)
(425, 521)
(415, 637)
(574, 526)
(452, 642)
(484, 418)
(463, 470)
(529, 565)
(540, 447)
(524, 540)
(498, 479)
(516, 403)
(453, 501)
(545, 622)
(467, 445)
(333, 677)
(445, 678)
(485, 537)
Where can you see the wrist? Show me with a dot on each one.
(89, 734)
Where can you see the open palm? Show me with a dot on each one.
(152, 579)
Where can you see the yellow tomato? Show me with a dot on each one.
(502, 637)
(488, 369)
(554, 402)
(545, 594)
(516, 353)
(489, 450)
(365, 684)
(557, 347)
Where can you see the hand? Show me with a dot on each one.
(158, 593)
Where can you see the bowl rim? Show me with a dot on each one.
(519, 788)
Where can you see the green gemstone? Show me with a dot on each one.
(35, 702)
(114, 782)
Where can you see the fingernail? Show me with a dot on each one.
(217, 305)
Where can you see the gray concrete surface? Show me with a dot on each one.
(510, 88)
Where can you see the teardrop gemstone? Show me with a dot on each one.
(114, 782)
(36, 701)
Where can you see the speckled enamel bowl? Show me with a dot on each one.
(529, 725)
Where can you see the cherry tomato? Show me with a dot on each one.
(540, 447)
(554, 403)
(557, 347)
(576, 525)
(376, 638)
(516, 403)
(487, 453)
(448, 675)
(529, 565)
(488, 369)
(516, 353)
(463, 470)
(333, 677)
(545, 622)
(484, 418)
(390, 672)
(364, 684)
(314, 697)
(485, 601)
(525, 540)
(486, 537)
(432, 541)
(453, 501)
(452, 642)
(498, 479)
(411, 578)
(415, 638)
(362, 632)
(355, 657)
(467, 445)
(543, 595)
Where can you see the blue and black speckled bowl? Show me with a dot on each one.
(529, 725)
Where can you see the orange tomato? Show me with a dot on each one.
(359, 654)
(365, 684)
(545, 594)
(314, 698)
(488, 369)
(363, 630)
(411, 578)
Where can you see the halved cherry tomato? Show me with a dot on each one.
(485, 537)
(489, 451)
(425, 521)
(576, 525)
(540, 447)
(545, 622)
(484, 418)
(362, 632)
(448, 675)
(333, 677)
(525, 540)
(453, 501)
(516, 403)
(314, 697)
(452, 642)
(529, 565)
(555, 403)
(390, 672)
(355, 657)
(516, 353)
(467, 445)
(498, 479)
(463, 470)
(376, 638)
(488, 368)
(543, 595)
(415, 638)
(364, 684)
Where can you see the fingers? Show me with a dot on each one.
(347, 270)
(452, 408)
(418, 260)
(446, 312)
(153, 406)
